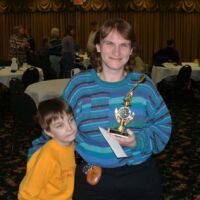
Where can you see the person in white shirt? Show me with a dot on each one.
(91, 37)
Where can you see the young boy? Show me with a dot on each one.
(51, 169)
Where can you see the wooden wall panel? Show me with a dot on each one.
(152, 28)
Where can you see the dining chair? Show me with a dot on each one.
(31, 75)
(42, 61)
(3, 100)
(196, 88)
(177, 87)
(183, 79)
(23, 110)
(16, 86)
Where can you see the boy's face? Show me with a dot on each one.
(63, 130)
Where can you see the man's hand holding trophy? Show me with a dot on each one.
(124, 115)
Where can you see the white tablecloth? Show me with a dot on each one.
(158, 73)
(6, 74)
(46, 89)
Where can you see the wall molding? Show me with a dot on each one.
(7, 6)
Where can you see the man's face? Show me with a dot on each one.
(115, 50)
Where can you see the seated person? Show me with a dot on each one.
(136, 60)
(167, 54)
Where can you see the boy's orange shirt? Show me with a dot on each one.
(50, 173)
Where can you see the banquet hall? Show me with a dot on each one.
(154, 22)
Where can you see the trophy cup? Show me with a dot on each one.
(124, 114)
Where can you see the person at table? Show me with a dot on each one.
(167, 54)
(68, 52)
(50, 171)
(55, 50)
(95, 95)
(44, 49)
(31, 41)
(137, 61)
(19, 45)
(90, 42)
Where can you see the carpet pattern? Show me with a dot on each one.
(178, 163)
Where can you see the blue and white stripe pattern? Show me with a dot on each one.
(94, 102)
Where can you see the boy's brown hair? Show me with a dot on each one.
(50, 110)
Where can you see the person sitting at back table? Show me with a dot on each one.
(137, 61)
(31, 41)
(44, 49)
(50, 171)
(55, 50)
(68, 52)
(167, 54)
(91, 37)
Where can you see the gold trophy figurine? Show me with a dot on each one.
(124, 114)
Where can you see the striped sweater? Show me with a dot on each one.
(94, 102)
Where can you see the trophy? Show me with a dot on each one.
(124, 114)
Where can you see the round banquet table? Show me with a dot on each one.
(159, 72)
(46, 89)
(6, 75)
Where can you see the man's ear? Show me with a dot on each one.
(98, 48)
(131, 51)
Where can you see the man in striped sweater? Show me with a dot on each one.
(94, 96)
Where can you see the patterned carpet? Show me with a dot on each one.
(179, 163)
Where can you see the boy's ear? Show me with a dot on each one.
(48, 133)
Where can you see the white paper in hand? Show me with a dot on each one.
(117, 149)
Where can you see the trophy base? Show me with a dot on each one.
(118, 133)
